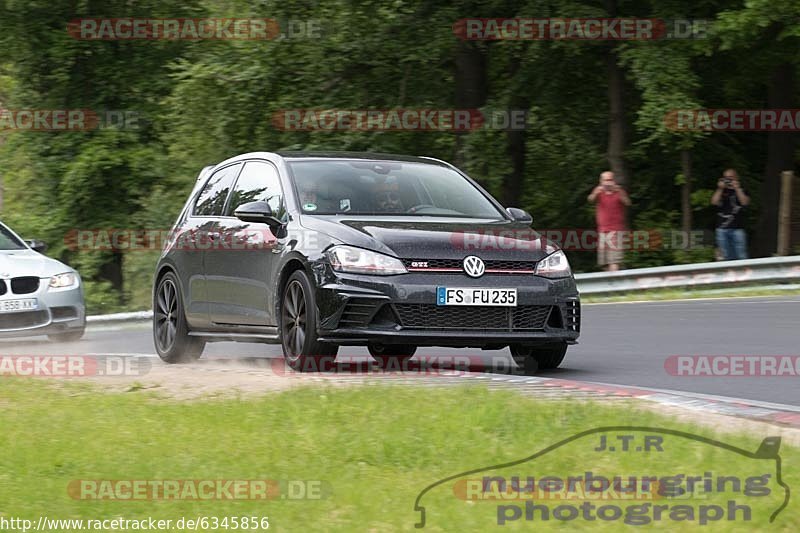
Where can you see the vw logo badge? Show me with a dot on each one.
(474, 266)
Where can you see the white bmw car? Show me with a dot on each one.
(38, 295)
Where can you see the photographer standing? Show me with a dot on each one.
(731, 199)
(611, 203)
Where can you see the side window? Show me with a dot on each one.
(212, 198)
(258, 182)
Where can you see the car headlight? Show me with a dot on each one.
(360, 261)
(64, 281)
(554, 265)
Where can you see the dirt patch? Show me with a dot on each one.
(215, 378)
(229, 378)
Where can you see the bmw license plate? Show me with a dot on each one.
(476, 296)
(11, 306)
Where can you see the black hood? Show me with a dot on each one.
(433, 238)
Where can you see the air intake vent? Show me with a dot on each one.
(358, 312)
(427, 316)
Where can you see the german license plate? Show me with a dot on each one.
(10, 306)
(476, 296)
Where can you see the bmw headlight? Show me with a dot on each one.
(359, 261)
(554, 265)
(67, 280)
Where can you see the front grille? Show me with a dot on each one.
(27, 319)
(510, 265)
(456, 264)
(433, 263)
(427, 316)
(3, 287)
(25, 285)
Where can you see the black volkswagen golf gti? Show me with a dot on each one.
(318, 250)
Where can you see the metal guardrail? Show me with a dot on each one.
(135, 316)
(705, 275)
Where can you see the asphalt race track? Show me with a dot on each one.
(625, 344)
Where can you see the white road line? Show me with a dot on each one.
(706, 301)
(712, 397)
(120, 354)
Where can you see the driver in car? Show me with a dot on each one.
(387, 196)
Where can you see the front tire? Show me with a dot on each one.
(298, 318)
(170, 330)
(532, 359)
(68, 336)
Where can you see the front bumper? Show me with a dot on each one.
(359, 309)
(58, 311)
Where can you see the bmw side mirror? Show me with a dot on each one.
(258, 212)
(520, 215)
(37, 245)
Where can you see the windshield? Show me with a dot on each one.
(8, 241)
(387, 188)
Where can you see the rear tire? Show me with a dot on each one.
(532, 359)
(298, 325)
(170, 330)
(393, 355)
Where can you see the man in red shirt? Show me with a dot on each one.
(611, 202)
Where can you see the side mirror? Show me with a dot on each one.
(258, 212)
(519, 215)
(37, 246)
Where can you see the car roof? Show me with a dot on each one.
(368, 156)
(371, 156)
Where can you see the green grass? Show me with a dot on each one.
(373, 447)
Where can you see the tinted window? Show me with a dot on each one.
(258, 182)
(212, 198)
(387, 187)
